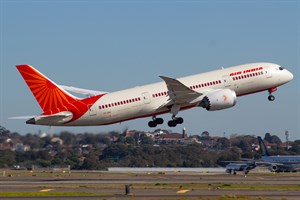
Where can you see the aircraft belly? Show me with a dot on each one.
(252, 87)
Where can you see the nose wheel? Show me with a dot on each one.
(271, 98)
(155, 121)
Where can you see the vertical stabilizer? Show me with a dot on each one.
(263, 147)
(50, 96)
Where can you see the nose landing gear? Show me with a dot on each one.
(271, 97)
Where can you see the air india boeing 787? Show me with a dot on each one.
(214, 90)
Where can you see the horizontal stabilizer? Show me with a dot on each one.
(58, 118)
(22, 117)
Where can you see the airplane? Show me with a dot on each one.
(234, 167)
(214, 90)
(278, 163)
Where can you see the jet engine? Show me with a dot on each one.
(273, 168)
(218, 100)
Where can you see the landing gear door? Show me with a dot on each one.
(146, 97)
(226, 80)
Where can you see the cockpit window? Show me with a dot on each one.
(281, 68)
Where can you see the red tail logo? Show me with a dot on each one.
(50, 97)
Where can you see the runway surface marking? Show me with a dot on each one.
(46, 190)
(182, 191)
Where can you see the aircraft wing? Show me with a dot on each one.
(85, 92)
(178, 92)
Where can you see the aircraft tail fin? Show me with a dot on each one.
(263, 147)
(50, 96)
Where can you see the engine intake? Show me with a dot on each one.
(273, 168)
(219, 100)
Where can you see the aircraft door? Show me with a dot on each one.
(146, 97)
(269, 72)
(92, 110)
(226, 80)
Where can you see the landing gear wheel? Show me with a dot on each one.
(155, 121)
(159, 120)
(179, 120)
(172, 123)
(271, 98)
(152, 124)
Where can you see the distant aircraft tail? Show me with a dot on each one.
(263, 147)
(51, 97)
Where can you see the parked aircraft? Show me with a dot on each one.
(245, 167)
(278, 163)
(214, 90)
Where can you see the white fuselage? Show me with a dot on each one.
(283, 159)
(151, 100)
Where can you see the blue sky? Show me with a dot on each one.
(113, 45)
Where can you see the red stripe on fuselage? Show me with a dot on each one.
(80, 107)
(150, 115)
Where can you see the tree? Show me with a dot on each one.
(268, 137)
(275, 139)
(90, 162)
(130, 140)
(32, 140)
(103, 140)
(145, 139)
(295, 147)
(7, 158)
(67, 137)
(222, 143)
(205, 134)
(4, 131)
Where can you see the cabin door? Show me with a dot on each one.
(146, 97)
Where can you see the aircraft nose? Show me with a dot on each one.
(289, 76)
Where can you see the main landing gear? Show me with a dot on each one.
(172, 123)
(155, 121)
(175, 121)
(271, 97)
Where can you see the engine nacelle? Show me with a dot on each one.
(273, 168)
(218, 100)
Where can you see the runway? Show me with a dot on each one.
(158, 185)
